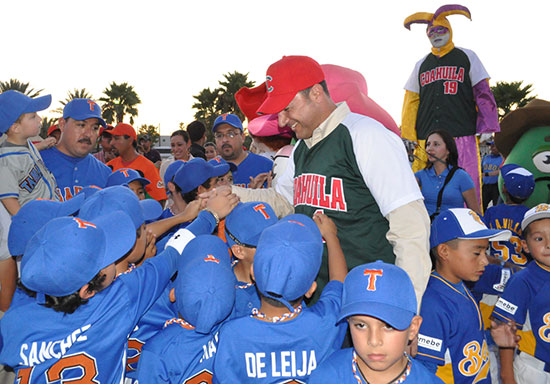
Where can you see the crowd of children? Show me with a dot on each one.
(112, 288)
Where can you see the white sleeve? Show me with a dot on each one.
(477, 70)
(412, 84)
(383, 162)
(285, 184)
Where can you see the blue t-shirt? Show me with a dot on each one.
(251, 166)
(503, 216)
(338, 368)
(254, 351)
(526, 301)
(490, 163)
(452, 335)
(74, 173)
(430, 184)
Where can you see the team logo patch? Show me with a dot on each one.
(212, 259)
(476, 217)
(372, 275)
(268, 79)
(504, 277)
(430, 342)
(506, 306)
(160, 184)
(83, 224)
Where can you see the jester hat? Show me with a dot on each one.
(439, 18)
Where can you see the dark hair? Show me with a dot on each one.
(513, 199)
(134, 142)
(70, 303)
(323, 84)
(209, 144)
(449, 141)
(182, 133)
(196, 130)
(192, 195)
(277, 303)
(434, 256)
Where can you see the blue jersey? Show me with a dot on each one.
(526, 301)
(339, 368)
(151, 323)
(90, 343)
(490, 163)
(509, 217)
(254, 351)
(178, 355)
(251, 166)
(452, 333)
(74, 173)
(430, 184)
(246, 298)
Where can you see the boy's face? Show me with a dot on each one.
(138, 189)
(466, 261)
(30, 124)
(210, 152)
(537, 241)
(226, 179)
(380, 347)
(139, 247)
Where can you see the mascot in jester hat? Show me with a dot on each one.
(448, 89)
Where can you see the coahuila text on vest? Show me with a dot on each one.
(442, 73)
(309, 189)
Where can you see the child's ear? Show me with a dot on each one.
(442, 251)
(171, 187)
(415, 327)
(85, 294)
(525, 246)
(237, 251)
(172, 295)
(252, 272)
(311, 290)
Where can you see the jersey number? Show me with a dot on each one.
(543, 331)
(81, 360)
(503, 251)
(450, 87)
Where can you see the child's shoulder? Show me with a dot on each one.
(335, 368)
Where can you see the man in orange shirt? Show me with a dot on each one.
(125, 143)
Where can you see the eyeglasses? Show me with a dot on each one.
(229, 135)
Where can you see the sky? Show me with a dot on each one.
(170, 50)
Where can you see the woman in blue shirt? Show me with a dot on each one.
(442, 157)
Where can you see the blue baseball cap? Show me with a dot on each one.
(465, 224)
(82, 109)
(125, 176)
(171, 170)
(287, 260)
(519, 182)
(195, 172)
(370, 289)
(120, 198)
(33, 216)
(14, 103)
(228, 118)
(89, 191)
(67, 252)
(538, 212)
(205, 286)
(245, 223)
(219, 160)
(307, 221)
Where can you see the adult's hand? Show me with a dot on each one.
(222, 201)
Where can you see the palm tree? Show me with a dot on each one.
(75, 94)
(510, 96)
(16, 85)
(47, 122)
(119, 100)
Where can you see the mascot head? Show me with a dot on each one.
(439, 29)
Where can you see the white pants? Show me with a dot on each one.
(529, 370)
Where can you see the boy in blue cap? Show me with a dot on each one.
(382, 325)
(518, 185)
(243, 227)
(525, 302)
(79, 322)
(452, 342)
(204, 294)
(282, 340)
(131, 178)
(22, 171)
(227, 178)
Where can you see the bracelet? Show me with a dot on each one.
(216, 217)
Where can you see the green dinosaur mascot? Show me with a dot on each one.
(524, 139)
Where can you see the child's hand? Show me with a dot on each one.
(193, 208)
(222, 201)
(258, 181)
(151, 248)
(504, 334)
(325, 224)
